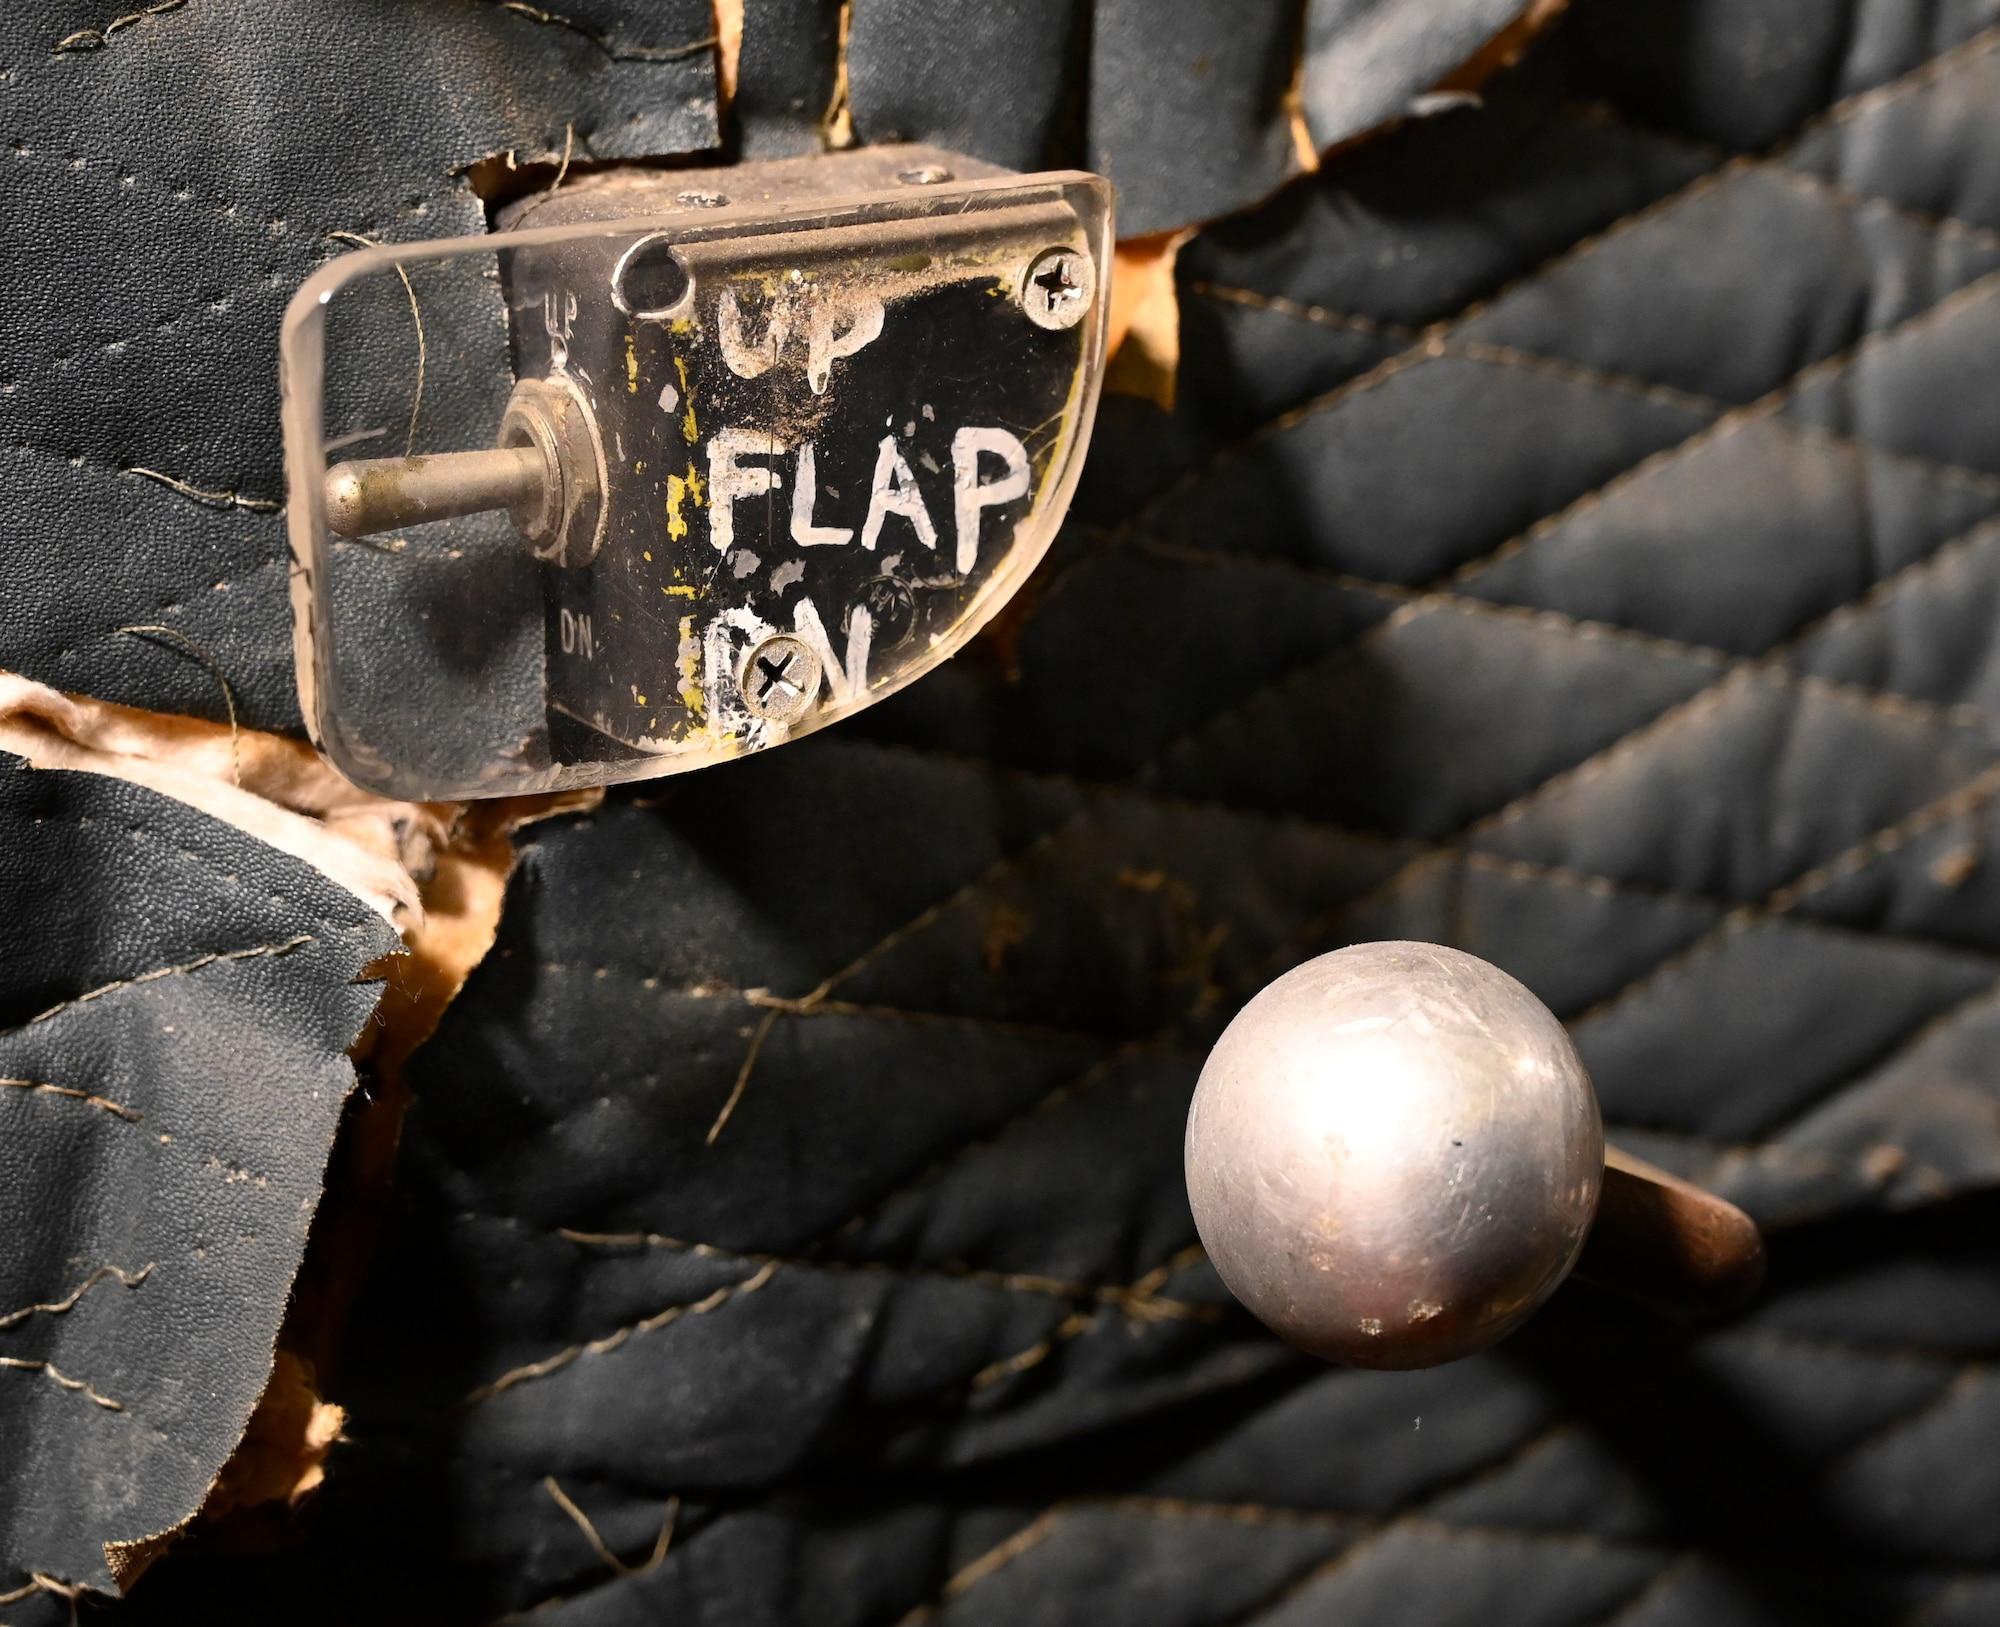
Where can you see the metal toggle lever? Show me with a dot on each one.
(547, 471)
(1394, 1157)
(386, 494)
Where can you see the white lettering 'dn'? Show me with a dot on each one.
(728, 480)
(969, 497)
(894, 491)
(805, 497)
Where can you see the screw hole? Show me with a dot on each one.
(651, 281)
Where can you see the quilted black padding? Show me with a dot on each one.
(160, 1159)
(1574, 544)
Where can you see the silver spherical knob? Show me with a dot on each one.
(1394, 1155)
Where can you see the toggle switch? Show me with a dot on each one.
(1394, 1157)
(551, 488)
(547, 473)
(386, 494)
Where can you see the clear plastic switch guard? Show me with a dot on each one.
(681, 464)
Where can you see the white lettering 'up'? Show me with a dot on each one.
(968, 496)
(894, 491)
(805, 494)
(747, 360)
(729, 480)
(824, 347)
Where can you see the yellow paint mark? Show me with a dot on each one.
(631, 365)
(649, 559)
(689, 432)
(698, 487)
(677, 490)
(681, 589)
(690, 664)
(681, 324)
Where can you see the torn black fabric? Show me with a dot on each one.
(172, 1067)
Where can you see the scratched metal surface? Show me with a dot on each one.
(1576, 543)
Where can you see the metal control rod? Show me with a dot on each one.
(1395, 1154)
(1666, 1241)
(385, 494)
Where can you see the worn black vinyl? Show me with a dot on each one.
(1576, 541)
(786, 77)
(1001, 82)
(160, 1158)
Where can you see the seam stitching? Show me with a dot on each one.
(1138, 1299)
(130, 1279)
(262, 949)
(49, 1370)
(131, 1115)
(611, 1341)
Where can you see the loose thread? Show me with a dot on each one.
(417, 316)
(562, 170)
(215, 667)
(598, 1545)
(228, 499)
(604, 42)
(131, 1279)
(743, 1074)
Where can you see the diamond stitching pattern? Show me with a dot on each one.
(907, 1338)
